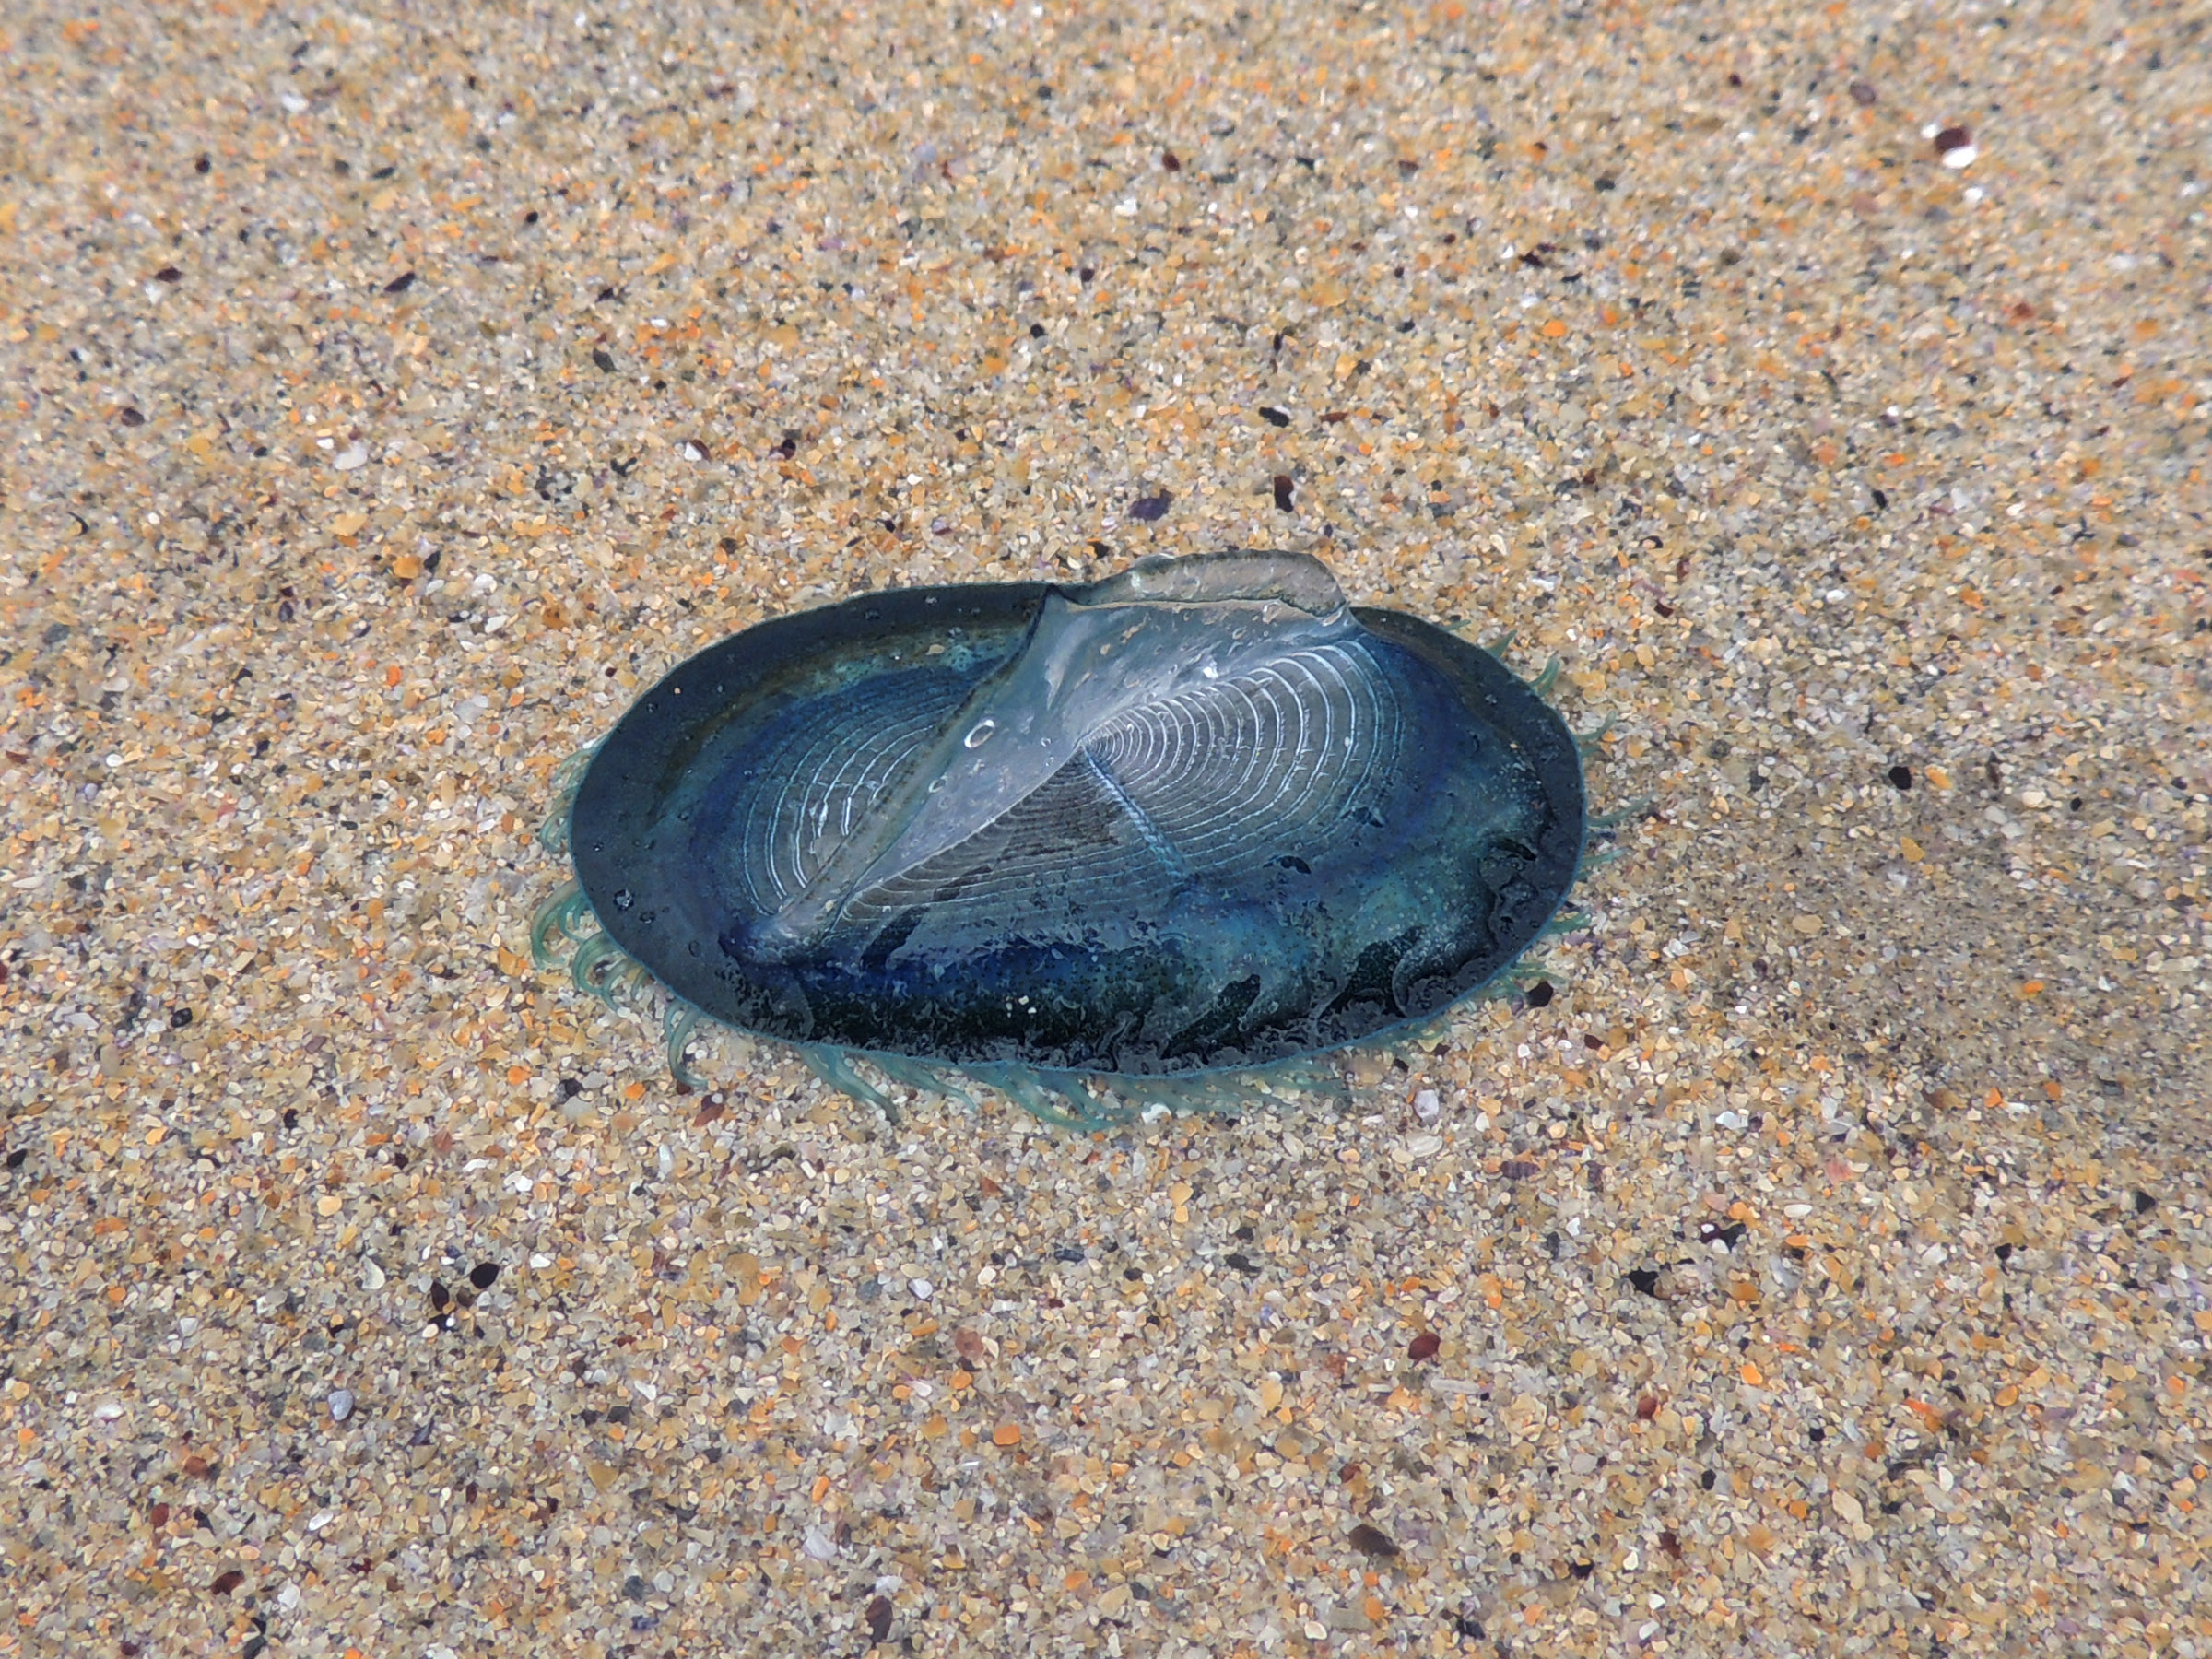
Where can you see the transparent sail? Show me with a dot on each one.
(1182, 694)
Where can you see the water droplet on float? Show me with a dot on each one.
(981, 734)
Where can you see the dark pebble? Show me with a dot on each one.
(1951, 138)
(1373, 1543)
(1901, 776)
(1863, 94)
(441, 1298)
(401, 283)
(484, 1275)
(227, 1581)
(179, 1019)
(1151, 508)
(1276, 417)
(1540, 995)
(1286, 493)
(879, 1618)
(1424, 1347)
(1517, 1169)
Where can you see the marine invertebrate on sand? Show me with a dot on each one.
(1101, 848)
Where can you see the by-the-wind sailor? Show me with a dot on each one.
(1201, 818)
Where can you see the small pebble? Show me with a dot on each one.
(1374, 1543)
(340, 1402)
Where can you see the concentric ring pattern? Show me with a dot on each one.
(825, 774)
(1197, 786)
(1200, 787)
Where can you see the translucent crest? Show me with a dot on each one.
(1146, 649)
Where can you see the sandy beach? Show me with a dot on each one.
(1820, 1265)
